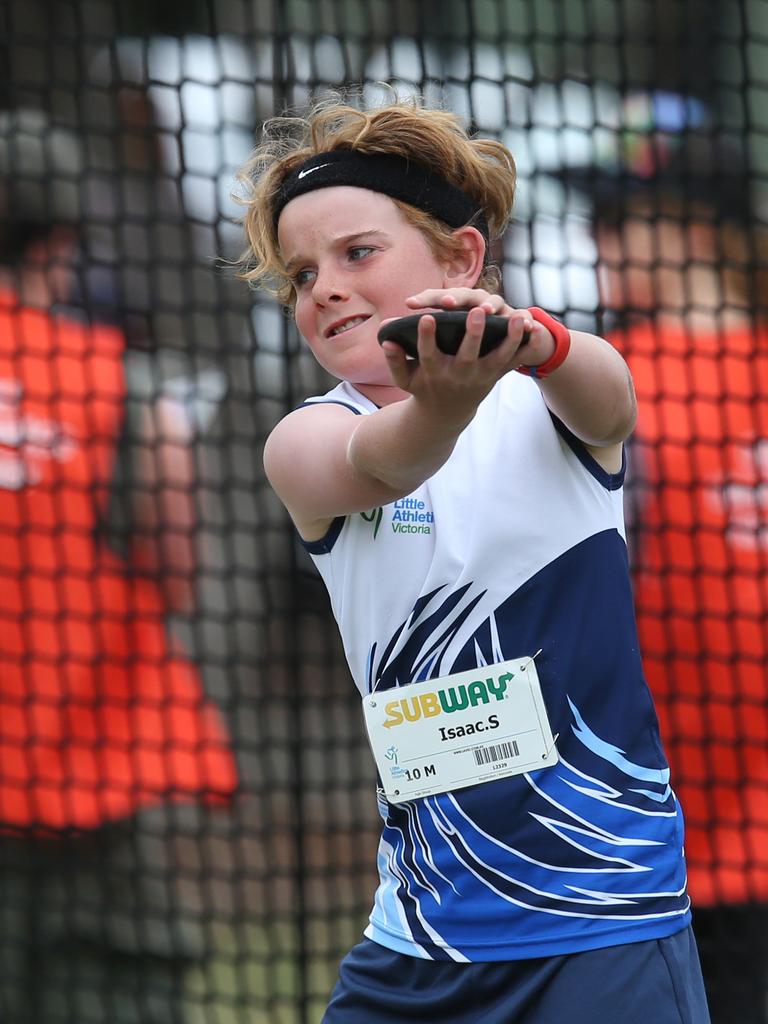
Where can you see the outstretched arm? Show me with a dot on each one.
(323, 461)
(591, 392)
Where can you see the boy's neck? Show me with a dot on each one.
(381, 394)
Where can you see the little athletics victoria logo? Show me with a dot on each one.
(409, 515)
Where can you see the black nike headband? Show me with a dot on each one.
(392, 175)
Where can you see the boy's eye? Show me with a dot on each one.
(359, 252)
(303, 277)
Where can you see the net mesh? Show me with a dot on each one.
(159, 624)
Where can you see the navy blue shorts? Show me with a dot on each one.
(655, 982)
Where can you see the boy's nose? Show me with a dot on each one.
(328, 288)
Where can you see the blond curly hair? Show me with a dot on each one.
(482, 168)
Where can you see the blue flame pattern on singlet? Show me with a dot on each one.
(587, 853)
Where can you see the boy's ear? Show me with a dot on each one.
(464, 269)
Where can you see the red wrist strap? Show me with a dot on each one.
(562, 337)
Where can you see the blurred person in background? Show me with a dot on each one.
(681, 262)
(104, 727)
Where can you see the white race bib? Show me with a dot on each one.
(461, 730)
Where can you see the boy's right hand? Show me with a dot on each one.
(451, 387)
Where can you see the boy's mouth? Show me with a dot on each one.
(341, 326)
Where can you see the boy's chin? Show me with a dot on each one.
(380, 379)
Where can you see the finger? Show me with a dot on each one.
(447, 298)
(432, 298)
(521, 327)
(518, 332)
(400, 368)
(395, 353)
(462, 298)
(426, 340)
(496, 306)
(469, 350)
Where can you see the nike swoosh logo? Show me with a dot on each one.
(310, 170)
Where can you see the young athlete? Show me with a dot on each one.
(465, 513)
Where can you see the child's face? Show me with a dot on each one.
(354, 259)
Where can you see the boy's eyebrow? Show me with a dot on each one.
(341, 241)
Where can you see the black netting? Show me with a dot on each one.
(158, 622)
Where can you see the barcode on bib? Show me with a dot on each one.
(497, 752)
